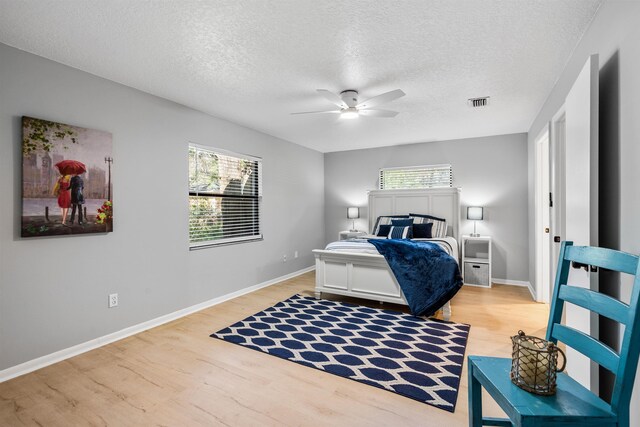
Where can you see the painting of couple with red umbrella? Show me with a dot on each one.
(66, 179)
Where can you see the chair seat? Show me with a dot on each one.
(572, 401)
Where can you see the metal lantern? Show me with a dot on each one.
(534, 364)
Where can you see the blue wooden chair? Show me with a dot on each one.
(572, 404)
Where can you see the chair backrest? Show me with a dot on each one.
(623, 364)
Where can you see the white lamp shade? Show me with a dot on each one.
(475, 213)
(353, 213)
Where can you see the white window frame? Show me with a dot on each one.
(410, 169)
(230, 240)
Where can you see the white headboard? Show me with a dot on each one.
(440, 202)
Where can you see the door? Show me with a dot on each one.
(542, 220)
(557, 155)
(581, 203)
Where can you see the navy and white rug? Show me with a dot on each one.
(417, 358)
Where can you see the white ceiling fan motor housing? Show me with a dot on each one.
(350, 97)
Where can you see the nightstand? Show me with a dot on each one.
(476, 260)
(346, 234)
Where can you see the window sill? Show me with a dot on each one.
(224, 242)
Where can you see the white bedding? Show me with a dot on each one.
(362, 246)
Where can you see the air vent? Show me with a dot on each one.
(478, 102)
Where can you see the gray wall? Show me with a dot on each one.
(53, 291)
(614, 34)
(491, 171)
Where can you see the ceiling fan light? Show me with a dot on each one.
(349, 113)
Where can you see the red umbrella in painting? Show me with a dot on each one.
(71, 167)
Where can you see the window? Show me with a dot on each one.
(431, 176)
(225, 194)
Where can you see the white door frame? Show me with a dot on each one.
(542, 221)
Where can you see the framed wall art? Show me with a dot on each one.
(66, 179)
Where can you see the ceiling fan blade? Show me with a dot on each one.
(319, 112)
(333, 98)
(381, 99)
(378, 113)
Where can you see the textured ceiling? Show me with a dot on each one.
(255, 62)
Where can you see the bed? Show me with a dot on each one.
(365, 273)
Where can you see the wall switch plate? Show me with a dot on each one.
(284, 258)
(113, 300)
(295, 254)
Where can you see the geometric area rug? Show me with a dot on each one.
(414, 357)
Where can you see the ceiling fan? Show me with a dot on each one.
(350, 108)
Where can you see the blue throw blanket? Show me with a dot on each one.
(427, 275)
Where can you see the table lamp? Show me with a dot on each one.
(353, 213)
(475, 213)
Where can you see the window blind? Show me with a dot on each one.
(431, 176)
(225, 195)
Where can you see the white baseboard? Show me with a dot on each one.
(516, 283)
(58, 356)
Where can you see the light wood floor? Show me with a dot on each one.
(176, 375)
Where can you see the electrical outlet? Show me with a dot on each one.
(113, 300)
(284, 258)
(295, 254)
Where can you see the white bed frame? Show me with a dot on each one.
(368, 276)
